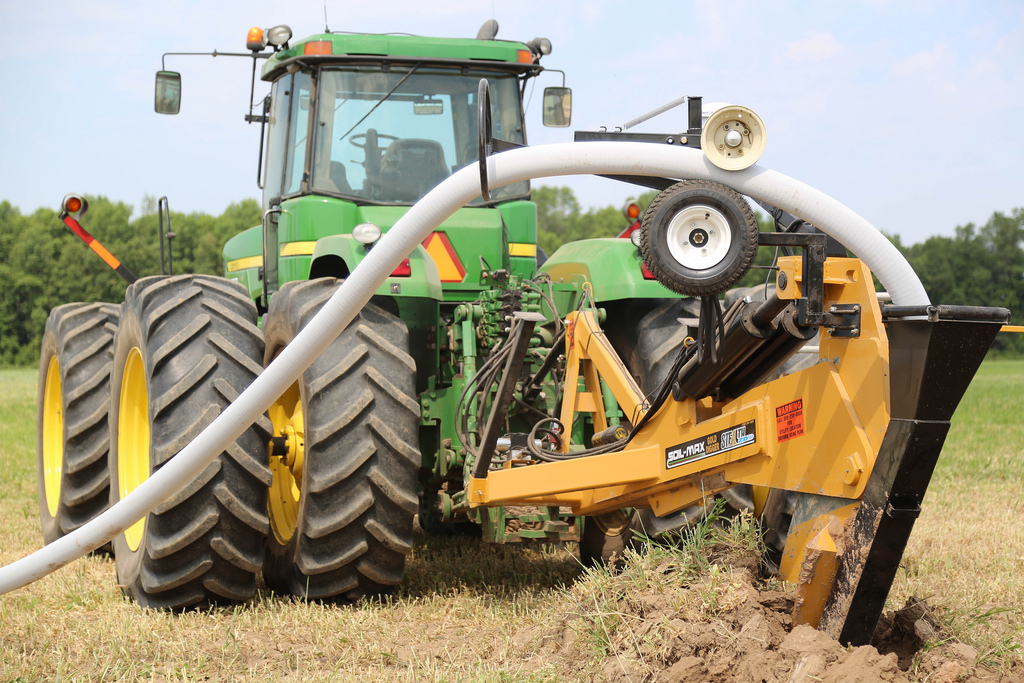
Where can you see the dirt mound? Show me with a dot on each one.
(656, 623)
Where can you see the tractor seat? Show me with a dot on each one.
(411, 167)
(338, 178)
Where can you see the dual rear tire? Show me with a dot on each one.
(185, 348)
(124, 390)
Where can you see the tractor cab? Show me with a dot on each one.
(357, 128)
(375, 136)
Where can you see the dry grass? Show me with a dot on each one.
(473, 612)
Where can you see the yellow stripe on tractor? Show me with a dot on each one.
(243, 263)
(298, 248)
(522, 249)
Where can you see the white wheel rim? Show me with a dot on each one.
(699, 237)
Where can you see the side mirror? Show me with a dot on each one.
(557, 107)
(168, 92)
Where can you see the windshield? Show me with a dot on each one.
(389, 137)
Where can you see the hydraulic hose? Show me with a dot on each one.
(622, 158)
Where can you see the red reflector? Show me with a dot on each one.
(317, 47)
(628, 232)
(404, 269)
(524, 56)
(648, 275)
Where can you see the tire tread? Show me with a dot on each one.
(362, 458)
(202, 348)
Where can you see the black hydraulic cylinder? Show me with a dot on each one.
(749, 330)
(769, 357)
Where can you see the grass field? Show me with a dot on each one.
(468, 611)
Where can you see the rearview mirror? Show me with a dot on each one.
(428, 107)
(168, 92)
(557, 107)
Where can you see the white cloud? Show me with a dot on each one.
(924, 61)
(817, 46)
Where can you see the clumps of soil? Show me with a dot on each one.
(906, 631)
(666, 618)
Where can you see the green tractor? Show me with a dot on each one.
(481, 387)
(320, 497)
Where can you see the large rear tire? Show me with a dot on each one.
(73, 406)
(647, 336)
(186, 347)
(344, 492)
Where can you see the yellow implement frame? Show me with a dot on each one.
(817, 431)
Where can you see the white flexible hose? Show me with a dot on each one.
(622, 158)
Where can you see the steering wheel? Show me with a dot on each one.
(361, 138)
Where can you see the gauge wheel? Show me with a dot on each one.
(606, 537)
(73, 406)
(185, 348)
(345, 457)
(698, 237)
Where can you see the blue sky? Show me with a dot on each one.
(909, 112)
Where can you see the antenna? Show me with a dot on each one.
(326, 30)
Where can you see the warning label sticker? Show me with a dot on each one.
(712, 444)
(789, 420)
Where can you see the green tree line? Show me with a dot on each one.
(43, 265)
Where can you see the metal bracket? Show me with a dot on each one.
(848, 320)
(843, 321)
(904, 511)
(684, 139)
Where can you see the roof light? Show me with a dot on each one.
(365, 233)
(631, 211)
(540, 46)
(317, 47)
(524, 56)
(279, 36)
(634, 237)
(255, 40)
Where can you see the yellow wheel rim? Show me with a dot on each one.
(53, 436)
(285, 488)
(133, 438)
